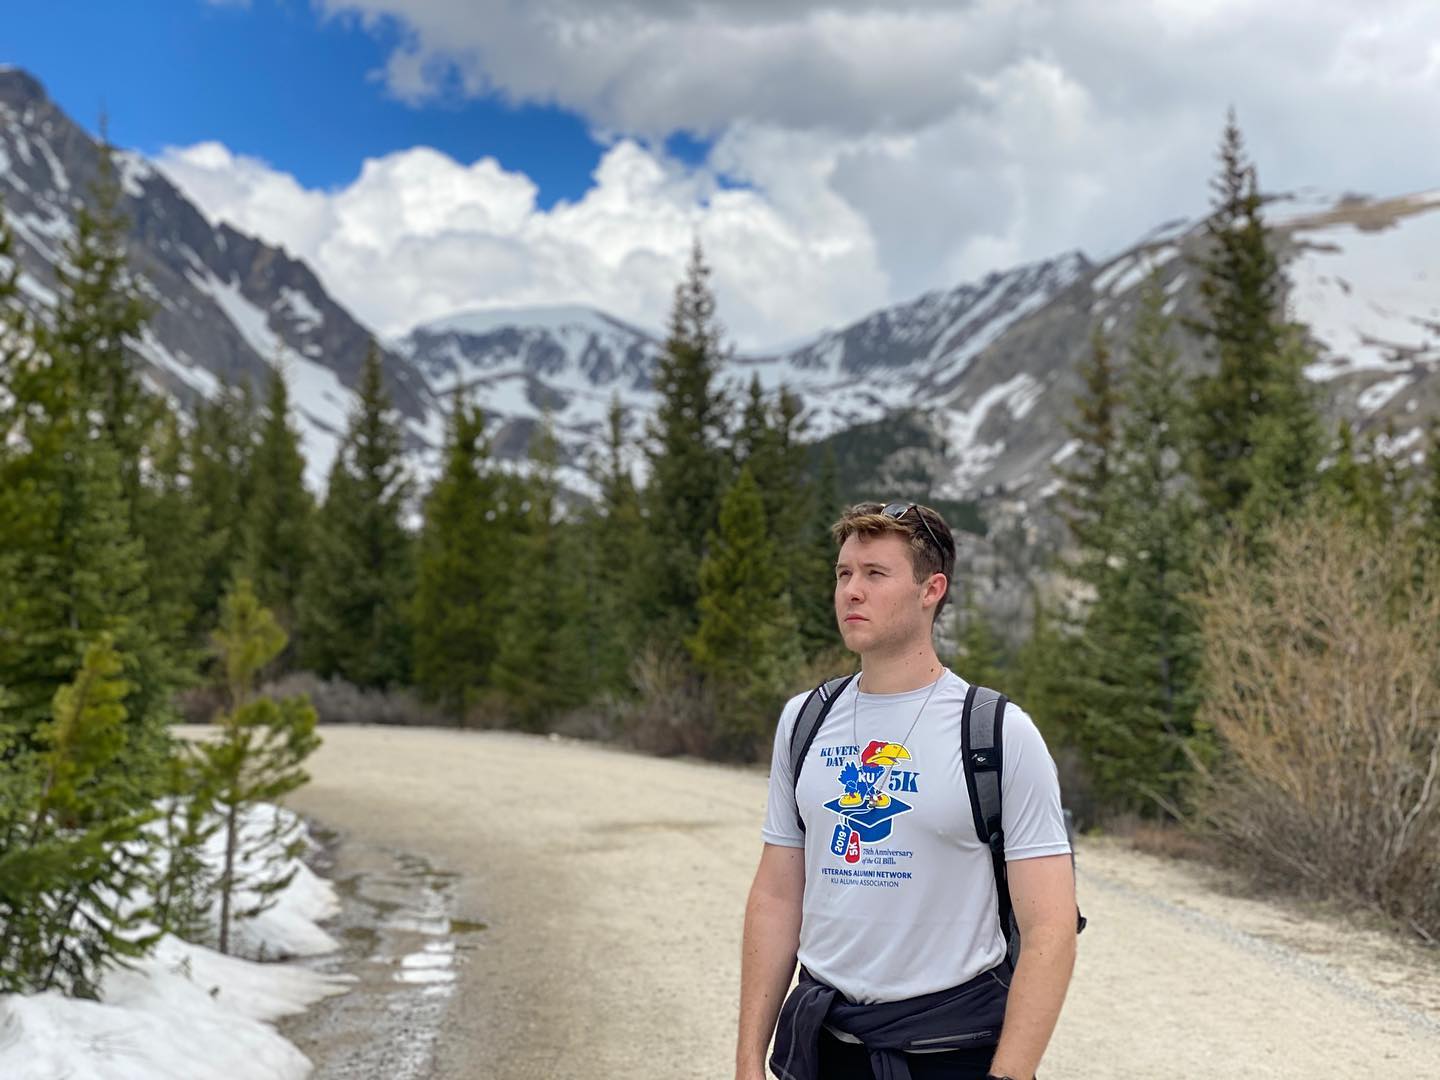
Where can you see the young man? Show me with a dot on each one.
(903, 960)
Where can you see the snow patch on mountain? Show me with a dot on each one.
(306, 315)
(46, 234)
(134, 171)
(1369, 294)
(59, 178)
(961, 422)
(556, 319)
(321, 402)
(1378, 394)
(197, 378)
(1131, 269)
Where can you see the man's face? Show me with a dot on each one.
(878, 605)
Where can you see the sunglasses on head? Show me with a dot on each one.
(898, 510)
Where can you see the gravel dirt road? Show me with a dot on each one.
(612, 888)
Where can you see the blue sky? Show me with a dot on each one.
(281, 82)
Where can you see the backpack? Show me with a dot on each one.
(982, 741)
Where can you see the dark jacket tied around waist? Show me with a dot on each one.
(967, 1015)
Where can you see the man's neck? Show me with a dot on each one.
(895, 673)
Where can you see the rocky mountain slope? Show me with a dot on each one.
(225, 306)
(984, 374)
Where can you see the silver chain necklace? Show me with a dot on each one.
(855, 734)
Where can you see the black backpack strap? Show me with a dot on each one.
(812, 715)
(982, 734)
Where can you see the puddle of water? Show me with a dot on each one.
(397, 938)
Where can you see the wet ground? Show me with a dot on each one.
(401, 943)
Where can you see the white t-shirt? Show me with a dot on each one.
(900, 896)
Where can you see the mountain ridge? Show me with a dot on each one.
(990, 364)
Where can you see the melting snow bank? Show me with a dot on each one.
(185, 1012)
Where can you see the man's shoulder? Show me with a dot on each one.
(791, 709)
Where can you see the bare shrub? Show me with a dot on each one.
(672, 713)
(1323, 673)
(598, 721)
(487, 710)
(339, 702)
(1167, 839)
(200, 704)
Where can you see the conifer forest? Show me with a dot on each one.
(1250, 647)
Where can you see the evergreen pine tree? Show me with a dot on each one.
(540, 665)
(1352, 482)
(171, 525)
(76, 850)
(70, 570)
(612, 532)
(96, 315)
(461, 568)
(1428, 518)
(1395, 480)
(980, 655)
(1280, 474)
(184, 883)
(813, 588)
(222, 445)
(1139, 655)
(71, 564)
(780, 467)
(1343, 483)
(279, 512)
(17, 354)
(1242, 288)
(746, 644)
(1086, 485)
(688, 466)
(754, 433)
(354, 619)
(257, 759)
(1043, 676)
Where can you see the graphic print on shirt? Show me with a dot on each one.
(867, 809)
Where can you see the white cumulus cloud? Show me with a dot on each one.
(418, 235)
(883, 148)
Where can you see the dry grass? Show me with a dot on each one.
(339, 702)
(673, 713)
(1323, 668)
(1167, 839)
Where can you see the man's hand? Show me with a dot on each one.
(767, 952)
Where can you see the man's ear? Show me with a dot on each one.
(930, 585)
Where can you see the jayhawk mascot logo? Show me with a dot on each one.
(866, 810)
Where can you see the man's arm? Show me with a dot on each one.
(1043, 893)
(767, 953)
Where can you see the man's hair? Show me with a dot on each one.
(865, 519)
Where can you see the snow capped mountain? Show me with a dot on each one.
(987, 369)
(913, 355)
(1362, 278)
(571, 362)
(224, 305)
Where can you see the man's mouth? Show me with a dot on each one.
(855, 618)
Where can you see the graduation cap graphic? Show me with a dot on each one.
(873, 824)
